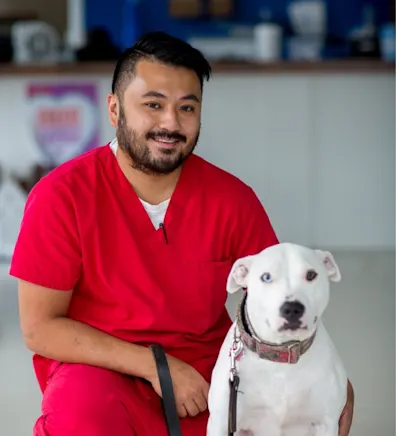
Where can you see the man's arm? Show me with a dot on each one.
(47, 331)
(47, 262)
(346, 419)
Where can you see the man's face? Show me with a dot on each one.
(159, 117)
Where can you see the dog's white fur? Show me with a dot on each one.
(281, 399)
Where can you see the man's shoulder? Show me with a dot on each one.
(67, 174)
(80, 166)
(223, 182)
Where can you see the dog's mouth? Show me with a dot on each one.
(292, 326)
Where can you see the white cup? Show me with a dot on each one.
(268, 42)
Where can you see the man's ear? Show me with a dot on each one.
(113, 109)
(239, 274)
(333, 272)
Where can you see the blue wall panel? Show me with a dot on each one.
(343, 15)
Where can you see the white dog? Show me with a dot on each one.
(291, 380)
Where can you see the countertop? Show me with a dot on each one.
(350, 66)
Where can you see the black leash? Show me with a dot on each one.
(232, 408)
(168, 397)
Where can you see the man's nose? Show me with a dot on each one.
(170, 121)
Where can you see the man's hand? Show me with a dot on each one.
(190, 388)
(347, 414)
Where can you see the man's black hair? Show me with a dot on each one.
(160, 47)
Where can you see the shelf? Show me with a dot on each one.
(229, 67)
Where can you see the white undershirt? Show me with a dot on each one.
(156, 212)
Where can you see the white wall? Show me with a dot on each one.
(355, 191)
(307, 145)
(319, 150)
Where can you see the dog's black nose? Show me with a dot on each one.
(292, 311)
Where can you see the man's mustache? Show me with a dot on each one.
(165, 134)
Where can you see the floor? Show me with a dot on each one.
(360, 318)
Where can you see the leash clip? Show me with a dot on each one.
(235, 351)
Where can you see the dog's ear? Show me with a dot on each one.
(238, 276)
(330, 264)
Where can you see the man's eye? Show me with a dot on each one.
(153, 105)
(187, 108)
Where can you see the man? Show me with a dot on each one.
(129, 245)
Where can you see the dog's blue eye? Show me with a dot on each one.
(266, 277)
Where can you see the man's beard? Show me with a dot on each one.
(139, 152)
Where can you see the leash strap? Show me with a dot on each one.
(232, 408)
(168, 398)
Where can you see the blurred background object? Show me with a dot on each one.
(27, 180)
(301, 107)
(99, 47)
(6, 23)
(76, 29)
(309, 25)
(34, 42)
(12, 203)
(387, 38)
(200, 8)
(287, 29)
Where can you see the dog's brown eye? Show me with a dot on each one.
(311, 275)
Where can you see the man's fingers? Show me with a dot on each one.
(182, 411)
(201, 402)
(205, 391)
(191, 408)
(345, 424)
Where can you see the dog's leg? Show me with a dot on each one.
(216, 426)
(218, 405)
(299, 430)
(218, 400)
(265, 427)
(326, 429)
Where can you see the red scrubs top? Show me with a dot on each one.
(84, 228)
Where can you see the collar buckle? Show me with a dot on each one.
(294, 352)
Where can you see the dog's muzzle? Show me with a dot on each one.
(288, 352)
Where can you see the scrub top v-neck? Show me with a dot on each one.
(187, 186)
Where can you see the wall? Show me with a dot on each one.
(319, 150)
(308, 145)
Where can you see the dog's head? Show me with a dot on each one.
(288, 288)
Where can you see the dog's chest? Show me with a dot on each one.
(290, 393)
(272, 390)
